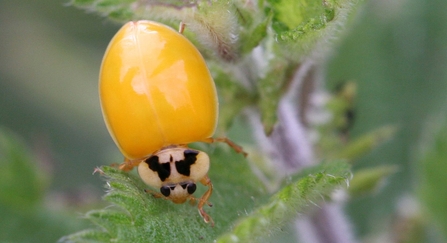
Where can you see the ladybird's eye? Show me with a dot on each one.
(191, 188)
(165, 190)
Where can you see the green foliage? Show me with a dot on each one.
(270, 89)
(293, 13)
(370, 180)
(365, 143)
(252, 37)
(432, 189)
(115, 9)
(284, 206)
(396, 53)
(300, 25)
(394, 88)
(22, 182)
(228, 31)
(22, 186)
(138, 215)
(336, 144)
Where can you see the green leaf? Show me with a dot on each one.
(110, 220)
(270, 89)
(22, 190)
(87, 236)
(288, 202)
(365, 143)
(342, 107)
(433, 181)
(119, 10)
(126, 10)
(300, 24)
(252, 38)
(137, 215)
(370, 180)
(22, 182)
(292, 13)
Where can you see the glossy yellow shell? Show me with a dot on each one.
(155, 90)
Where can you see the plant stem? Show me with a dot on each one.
(291, 150)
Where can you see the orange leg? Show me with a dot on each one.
(204, 200)
(230, 143)
(193, 201)
(128, 164)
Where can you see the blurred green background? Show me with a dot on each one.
(50, 55)
(50, 58)
(397, 53)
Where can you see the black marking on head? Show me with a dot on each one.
(163, 170)
(184, 166)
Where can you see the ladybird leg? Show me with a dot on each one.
(194, 200)
(204, 200)
(181, 27)
(128, 164)
(230, 143)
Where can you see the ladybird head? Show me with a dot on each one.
(175, 170)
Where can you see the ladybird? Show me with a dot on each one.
(157, 96)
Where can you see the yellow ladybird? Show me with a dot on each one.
(157, 95)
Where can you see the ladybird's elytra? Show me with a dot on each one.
(157, 95)
(155, 90)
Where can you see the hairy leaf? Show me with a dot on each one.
(137, 215)
(288, 202)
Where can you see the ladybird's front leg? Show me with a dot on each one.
(204, 200)
(193, 201)
(128, 164)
